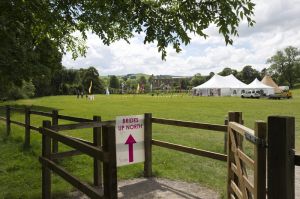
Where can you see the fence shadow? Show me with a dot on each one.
(153, 188)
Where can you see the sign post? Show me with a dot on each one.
(130, 147)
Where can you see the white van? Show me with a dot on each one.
(251, 94)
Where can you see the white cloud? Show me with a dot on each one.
(277, 26)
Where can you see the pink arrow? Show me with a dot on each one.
(130, 141)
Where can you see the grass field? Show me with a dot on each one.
(20, 174)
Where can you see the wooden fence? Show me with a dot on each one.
(279, 164)
(239, 183)
(101, 152)
(27, 123)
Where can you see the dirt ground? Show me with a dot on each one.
(156, 188)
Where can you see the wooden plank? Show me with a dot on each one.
(260, 165)
(234, 168)
(110, 168)
(248, 185)
(225, 135)
(34, 128)
(65, 154)
(46, 114)
(82, 125)
(46, 153)
(281, 167)
(236, 190)
(83, 187)
(3, 118)
(297, 160)
(8, 129)
(18, 123)
(238, 164)
(240, 128)
(21, 110)
(97, 141)
(232, 117)
(194, 151)
(27, 127)
(148, 145)
(245, 158)
(83, 147)
(206, 126)
(82, 140)
(54, 122)
(74, 119)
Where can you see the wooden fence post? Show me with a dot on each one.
(232, 117)
(27, 127)
(54, 122)
(148, 145)
(110, 167)
(46, 172)
(7, 120)
(260, 161)
(281, 167)
(225, 136)
(97, 164)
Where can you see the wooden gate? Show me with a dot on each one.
(246, 174)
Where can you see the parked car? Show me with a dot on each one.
(251, 94)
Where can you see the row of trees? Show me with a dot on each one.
(49, 77)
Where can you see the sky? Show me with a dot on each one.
(277, 26)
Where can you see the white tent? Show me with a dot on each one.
(220, 86)
(258, 85)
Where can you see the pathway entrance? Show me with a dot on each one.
(154, 188)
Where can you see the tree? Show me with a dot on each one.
(114, 82)
(228, 71)
(286, 65)
(24, 24)
(142, 80)
(248, 74)
(46, 62)
(162, 21)
(197, 80)
(91, 75)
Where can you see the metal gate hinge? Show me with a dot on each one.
(255, 140)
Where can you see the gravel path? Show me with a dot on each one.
(156, 188)
(162, 188)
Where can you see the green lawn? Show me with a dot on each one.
(20, 174)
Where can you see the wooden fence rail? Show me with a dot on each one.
(197, 125)
(105, 154)
(88, 123)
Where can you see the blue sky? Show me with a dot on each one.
(277, 26)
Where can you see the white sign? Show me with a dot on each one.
(130, 139)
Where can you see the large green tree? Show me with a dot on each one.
(163, 21)
(197, 79)
(114, 82)
(285, 65)
(91, 75)
(228, 71)
(248, 74)
(24, 24)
